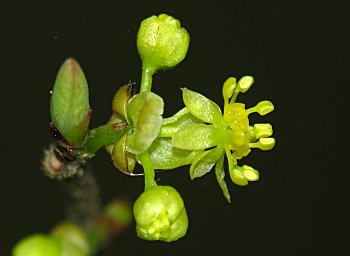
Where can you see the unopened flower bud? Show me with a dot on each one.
(162, 42)
(160, 214)
(37, 245)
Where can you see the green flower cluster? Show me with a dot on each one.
(199, 135)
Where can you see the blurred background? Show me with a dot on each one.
(297, 51)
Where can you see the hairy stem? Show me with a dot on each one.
(82, 197)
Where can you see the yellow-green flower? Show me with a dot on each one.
(224, 134)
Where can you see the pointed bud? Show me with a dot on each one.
(245, 83)
(162, 42)
(70, 110)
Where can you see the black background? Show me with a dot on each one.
(298, 53)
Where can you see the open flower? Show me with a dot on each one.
(224, 134)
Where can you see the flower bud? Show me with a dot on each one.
(37, 245)
(72, 234)
(70, 110)
(160, 214)
(162, 42)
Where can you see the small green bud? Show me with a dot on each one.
(37, 245)
(119, 215)
(73, 235)
(162, 42)
(245, 83)
(160, 214)
(70, 110)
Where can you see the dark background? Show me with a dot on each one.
(297, 51)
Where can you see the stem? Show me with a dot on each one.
(83, 201)
(148, 170)
(104, 135)
(146, 79)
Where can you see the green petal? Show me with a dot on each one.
(144, 116)
(220, 177)
(195, 137)
(165, 156)
(204, 162)
(201, 107)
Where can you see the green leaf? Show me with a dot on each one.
(144, 116)
(195, 137)
(201, 107)
(220, 177)
(70, 110)
(165, 156)
(204, 162)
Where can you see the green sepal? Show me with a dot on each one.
(204, 162)
(70, 110)
(164, 156)
(201, 107)
(123, 160)
(121, 99)
(195, 137)
(220, 177)
(145, 117)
